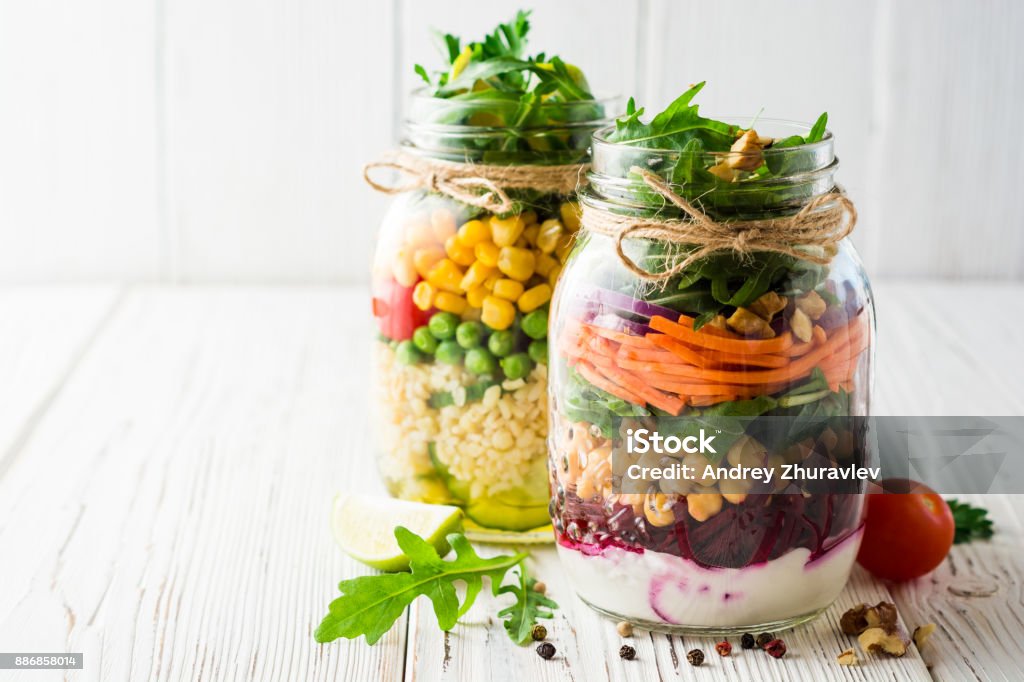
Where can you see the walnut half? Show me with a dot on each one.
(848, 657)
(880, 640)
(922, 633)
(861, 617)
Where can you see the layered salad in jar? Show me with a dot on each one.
(766, 353)
(463, 277)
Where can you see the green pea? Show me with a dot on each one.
(517, 366)
(502, 343)
(443, 325)
(480, 361)
(535, 324)
(424, 340)
(469, 334)
(449, 353)
(538, 351)
(407, 354)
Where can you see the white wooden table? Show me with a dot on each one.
(168, 458)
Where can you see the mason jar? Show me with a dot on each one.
(769, 352)
(461, 297)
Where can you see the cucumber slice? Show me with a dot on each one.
(494, 512)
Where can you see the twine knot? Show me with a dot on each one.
(482, 185)
(821, 222)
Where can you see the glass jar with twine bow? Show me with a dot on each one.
(713, 291)
(467, 257)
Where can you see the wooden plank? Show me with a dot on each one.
(169, 515)
(946, 349)
(78, 130)
(272, 109)
(43, 334)
(934, 208)
(588, 644)
(977, 601)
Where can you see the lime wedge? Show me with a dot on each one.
(364, 526)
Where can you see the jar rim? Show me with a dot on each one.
(424, 108)
(600, 138)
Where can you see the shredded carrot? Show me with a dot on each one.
(681, 351)
(708, 400)
(668, 403)
(742, 347)
(591, 374)
(718, 358)
(620, 337)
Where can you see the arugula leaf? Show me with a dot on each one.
(972, 523)
(530, 606)
(371, 604)
(675, 127)
(818, 129)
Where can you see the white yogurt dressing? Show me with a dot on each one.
(665, 588)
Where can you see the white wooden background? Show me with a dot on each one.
(221, 140)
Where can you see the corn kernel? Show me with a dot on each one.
(530, 234)
(564, 246)
(475, 275)
(490, 281)
(423, 296)
(497, 313)
(449, 302)
(516, 263)
(471, 314)
(505, 231)
(509, 289)
(547, 239)
(426, 257)
(419, 233)
(544, 264)
(554, 275)
(475, 296)
(473, 232)
(528, 217)
(487, 253)
(457, 252)
(570, 213)
(443, 224)
(534, 297)
(403, 268)
(446, 276)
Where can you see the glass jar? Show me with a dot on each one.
(769, 352)
(461, 300)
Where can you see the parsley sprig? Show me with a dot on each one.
(972, 523)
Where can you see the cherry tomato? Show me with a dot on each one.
(396, 314)
(905, 534)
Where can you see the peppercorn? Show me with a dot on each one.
(546, 650)
(624, 628)
(776, 648)
(627, 652)
(695, 657)
(539, 632)
(747, 641)
(723, 648)
(763, 639)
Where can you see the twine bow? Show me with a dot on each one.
(480, 185)
(823, 221)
